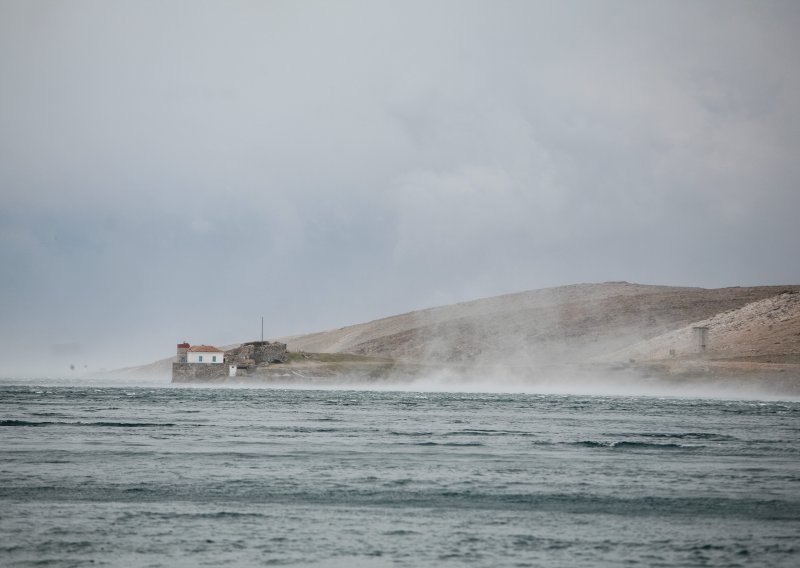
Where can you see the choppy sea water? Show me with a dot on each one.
(258, 477)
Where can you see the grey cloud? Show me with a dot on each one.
(352, 160)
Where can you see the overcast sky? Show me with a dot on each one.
(175, 170)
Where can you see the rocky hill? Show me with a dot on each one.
(569, 324)
(765, 331)
(626, 329)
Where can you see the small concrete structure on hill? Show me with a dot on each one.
(701, 337)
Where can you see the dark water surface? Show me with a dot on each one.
(240, 477)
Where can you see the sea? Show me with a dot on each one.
(169, 476)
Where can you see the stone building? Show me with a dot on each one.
(198, 362)
(208, 363)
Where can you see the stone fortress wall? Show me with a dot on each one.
(256, 353)
(189, 372)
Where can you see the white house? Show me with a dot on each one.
(204, 354)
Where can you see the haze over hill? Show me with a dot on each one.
(567, 324)
(592, 325)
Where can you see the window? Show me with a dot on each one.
(213, 358)
(200, 358)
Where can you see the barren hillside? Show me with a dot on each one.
(568, 324)
(765, 331)
(751, 328)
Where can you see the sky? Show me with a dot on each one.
(176, 170)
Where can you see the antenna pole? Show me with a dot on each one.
(262, 329)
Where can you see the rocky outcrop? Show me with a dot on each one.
(256, 353)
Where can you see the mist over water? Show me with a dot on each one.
(192, 476)
(499, 381)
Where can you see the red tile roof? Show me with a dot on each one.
(205, 349)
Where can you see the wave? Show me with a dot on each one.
(488, 433)
(627, 444)
(448, 444)
(411, 433)
(678, 435)
(28, 423)
(402, 494)
(467, 433)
